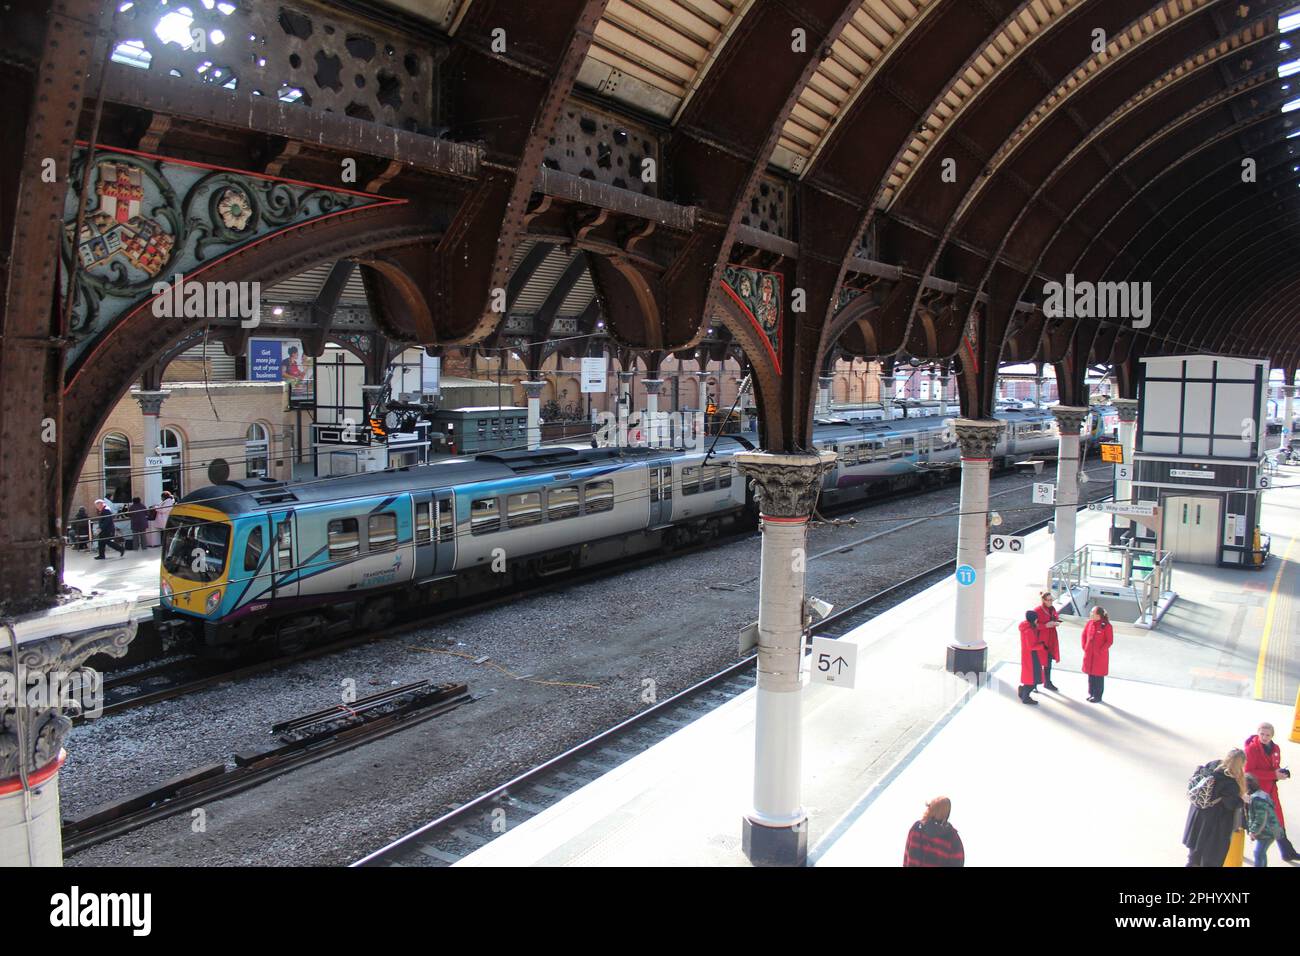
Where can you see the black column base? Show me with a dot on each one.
(967, 660)
(775, 846)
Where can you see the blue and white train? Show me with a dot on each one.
(261, 561)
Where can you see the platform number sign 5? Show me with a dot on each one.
(834, 662)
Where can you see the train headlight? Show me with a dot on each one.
(214, 601)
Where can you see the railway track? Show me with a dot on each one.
(301, 740)
(467, 828)
(172, 679)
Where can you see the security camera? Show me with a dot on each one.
(1083, 478)
(995, 519)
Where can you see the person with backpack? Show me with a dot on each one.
(1098, 636)
(1261, 820)
(1264, 761)
(1033, 654)
(932, 840)
(1217, 793)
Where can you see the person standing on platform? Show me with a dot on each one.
(1261, 819)
(1048, 618)
(139, 516)
(933, 841)
(1208, 832)
(162, 512)
(1098, 636)
(1264, 761)
(1032, 655)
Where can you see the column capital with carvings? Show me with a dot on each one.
(1127, 409)
(52, 685)
(825, 381)
(626, 377)
(978, 437)
(150, 402)
(787, 484)
(1069, 418)
(652, 385)
(533, 389)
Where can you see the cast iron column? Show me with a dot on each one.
(968, 653)
(1069, 421)
(775, 829)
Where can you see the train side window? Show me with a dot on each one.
(599, 496)
(484, 516)
(652, 479)
(708, 478)
(724, 476)
(524, 509)
(253, 550)
(562, 502)
(423, 527)
(690, 480)
(344, 538)
(381, 531)
(446, 521)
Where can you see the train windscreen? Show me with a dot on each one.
(194, 548)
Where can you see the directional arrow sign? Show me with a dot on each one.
(1006, 544)
(834, 662)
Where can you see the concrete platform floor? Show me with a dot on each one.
(1226, 657)
(135, 573)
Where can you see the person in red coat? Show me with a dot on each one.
(933, 841)
(1048, 618)
(1098, 636)
(1264, 762)
(1033, 654)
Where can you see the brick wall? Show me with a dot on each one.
(205, 434)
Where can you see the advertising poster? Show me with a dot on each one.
(283, 360)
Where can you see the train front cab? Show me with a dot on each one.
(194, 577)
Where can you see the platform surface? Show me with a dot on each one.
(1113, 776)
(133, 575)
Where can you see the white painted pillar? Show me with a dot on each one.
(887, 393)
(624, 413)
(534, 392)
(1288, 413)
(30, 827)
(824, 384)
(1069, 421)
(150, 407)
(775, 831)
(968, 652)
(651, 428)
(1128, 410)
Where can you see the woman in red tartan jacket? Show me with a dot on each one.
(933, 841)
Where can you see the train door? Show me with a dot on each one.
(660, 482)
(1191, 529)
(284, 555)
(425, 548)
(444, 525)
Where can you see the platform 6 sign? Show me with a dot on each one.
(1113, 454)
(834, 662)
